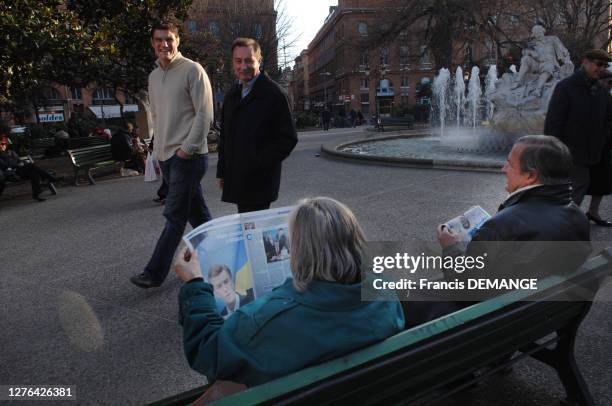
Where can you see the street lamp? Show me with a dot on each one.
(325, 86)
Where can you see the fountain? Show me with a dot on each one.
(474, 94)
(459, 94)
(515, 105)
(440, 92)
(490, 82)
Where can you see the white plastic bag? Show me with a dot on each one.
(151, 171)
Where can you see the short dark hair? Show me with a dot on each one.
(248, 42)
(547, 156)
(164, 25)
(217, 269)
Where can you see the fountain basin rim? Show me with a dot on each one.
(331, 150)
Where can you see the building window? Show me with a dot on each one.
(364, 61)
(103, 95)
(405, 82)
(235, 28)
(192, 26)
(213, 27)
(258, 31)
(425, 57)
(491, 50)
(515, 19)
(404, 99)
(75, 93)
(364, 83)
(384, 56)
(362, 27)
(365, 98)
(404, 56)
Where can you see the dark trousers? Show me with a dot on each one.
(2, 182)
(162, 192)
(185, 202)
(325, 125)
(581, 178)
(246, 207)
(35, 174)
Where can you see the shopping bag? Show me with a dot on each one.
(151, 174)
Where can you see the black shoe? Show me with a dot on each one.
(160, 200)
(143, 281)
(52, 188)
(598, 221)
(38, 198)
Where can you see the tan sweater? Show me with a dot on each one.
(181, 106)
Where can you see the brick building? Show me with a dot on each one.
(346, 73)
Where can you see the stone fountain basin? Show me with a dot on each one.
(422, 150)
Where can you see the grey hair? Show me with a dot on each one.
(547, 156)
(326, 243)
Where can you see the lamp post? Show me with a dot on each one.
(325, 86)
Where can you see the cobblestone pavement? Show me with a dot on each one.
(68, 314)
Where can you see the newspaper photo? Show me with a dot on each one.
(243, 256)
(465, 226)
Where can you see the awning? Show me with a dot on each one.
(110, 111)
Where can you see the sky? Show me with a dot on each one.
(308, 17)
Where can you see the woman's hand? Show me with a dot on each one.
(187, 265)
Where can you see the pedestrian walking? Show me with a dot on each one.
(182, 109)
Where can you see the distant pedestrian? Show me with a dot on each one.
(182, 109)
(325, 119)
(353, 117)
(579, 114)
(257, 133)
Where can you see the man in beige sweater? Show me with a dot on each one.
(182, 109)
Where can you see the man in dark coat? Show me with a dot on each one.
(579, 114)
(538, 230)
(257, 133)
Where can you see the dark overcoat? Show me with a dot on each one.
(579, 114)
(257, 133)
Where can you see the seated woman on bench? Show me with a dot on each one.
(315, 316)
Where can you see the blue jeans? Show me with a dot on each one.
(185, 202)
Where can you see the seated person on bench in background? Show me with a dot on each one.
(26, 170)
(313, 317)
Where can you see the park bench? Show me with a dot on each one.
(82, 142)
(89, 158)
(430, 362)
(395, 122)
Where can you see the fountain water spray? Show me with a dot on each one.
(440, 91)
(459, 94)
(490, 83)
(474, 94)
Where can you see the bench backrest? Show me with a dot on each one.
(90, 155)
(436, 353)
(86, 142)
(42, 142)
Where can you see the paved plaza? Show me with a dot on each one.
(70, 316)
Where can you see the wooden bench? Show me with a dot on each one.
(89, 158)
(83, 142)
(395, 122)
(432, 361)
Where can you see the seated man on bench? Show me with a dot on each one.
(539, 208)
(538, 230)
(315, 316)
(10, 160)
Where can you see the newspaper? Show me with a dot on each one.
(465, 226)
(243, 256)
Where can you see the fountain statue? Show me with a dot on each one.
(521, 99)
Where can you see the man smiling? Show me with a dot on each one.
(257, 133)
(182, 109)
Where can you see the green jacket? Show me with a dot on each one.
(281, 332)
